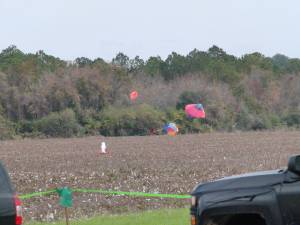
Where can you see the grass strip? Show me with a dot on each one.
(156, 217)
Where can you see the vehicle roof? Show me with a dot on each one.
(244, 181)
(259, 173)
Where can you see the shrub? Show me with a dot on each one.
(136, 120)
(6, 129)
(244, 120)
(292, 119)
(275, 121)
(28, 129)
(88, 119)
(61, 124)
(25, 126)
(250, 121)
(259, 124)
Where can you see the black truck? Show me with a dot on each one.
(261, 198)
(10, 205)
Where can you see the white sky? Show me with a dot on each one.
(98, 28)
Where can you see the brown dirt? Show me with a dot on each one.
(151, 164)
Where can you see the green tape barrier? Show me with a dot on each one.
(37, 194)
(134, 194)
(123, 193)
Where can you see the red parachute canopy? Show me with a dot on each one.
(133, 95)
(195, 111)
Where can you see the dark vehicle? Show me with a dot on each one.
(10, 205)
(262, 198)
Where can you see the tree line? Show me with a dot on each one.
(44, 96)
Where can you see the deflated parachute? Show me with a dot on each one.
(170, 129)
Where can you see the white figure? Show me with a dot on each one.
(103, 147)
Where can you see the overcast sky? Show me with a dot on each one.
(102, 28)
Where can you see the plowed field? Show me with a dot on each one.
(159, 164)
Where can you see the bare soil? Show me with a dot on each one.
(159, 164)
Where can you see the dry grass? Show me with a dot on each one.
(151, 164)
